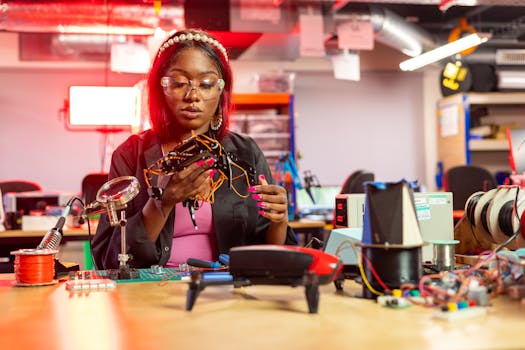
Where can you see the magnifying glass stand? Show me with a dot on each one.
(125, 272)
(114, 196)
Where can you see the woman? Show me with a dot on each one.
(190, 88)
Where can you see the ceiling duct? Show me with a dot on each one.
(391, 29)
(137, 17)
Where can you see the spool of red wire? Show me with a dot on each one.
(34, 267)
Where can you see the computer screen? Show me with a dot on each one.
(322, 201)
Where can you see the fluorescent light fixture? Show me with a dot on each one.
(511, 80)
(444, 51)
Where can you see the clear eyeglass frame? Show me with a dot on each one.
(207, 88)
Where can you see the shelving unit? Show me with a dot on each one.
(456, 113)
(269, 119)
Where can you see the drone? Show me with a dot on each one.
(273, 265)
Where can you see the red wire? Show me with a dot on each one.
(379, 280)
(34, 269)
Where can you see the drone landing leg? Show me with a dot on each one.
(195, 287)
(311, 290)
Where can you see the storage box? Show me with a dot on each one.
(238, 123)
(267, 124)
(272, 157)
(275, 82)
(272, 141)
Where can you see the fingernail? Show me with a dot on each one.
(262, 177)
(200, 162)
(251, 189)
(256, 196)
(262, 212)
(210, 161)
(213, 172)
(261, 204)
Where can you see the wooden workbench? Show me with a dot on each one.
(151, 315)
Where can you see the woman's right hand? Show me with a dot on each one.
(188, 183)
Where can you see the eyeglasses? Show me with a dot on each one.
(180, 86)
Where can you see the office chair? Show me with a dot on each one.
(91, 183)
(19, 186)
(464, 180)
(355, 181)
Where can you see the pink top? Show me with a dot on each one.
(191, 243)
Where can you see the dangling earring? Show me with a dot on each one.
(216, 122)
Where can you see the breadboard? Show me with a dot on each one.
(145, 275)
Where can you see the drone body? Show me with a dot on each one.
(275, 265)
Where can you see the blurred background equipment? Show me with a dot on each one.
(12, 219)
(315, 202)
(286, 175)
(492, 220)
(433, 211)
(310, 180)
(392, 242)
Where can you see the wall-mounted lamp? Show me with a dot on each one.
(444, 51)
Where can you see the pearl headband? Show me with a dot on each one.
(196, 37)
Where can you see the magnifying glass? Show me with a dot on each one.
(114, 195)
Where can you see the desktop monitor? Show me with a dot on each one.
(320, 205)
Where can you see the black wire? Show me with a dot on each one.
(471, 207)
(518, 230)
(506, 218)
(89, 232)
(474, 234)
(315, 243)
(91, 246)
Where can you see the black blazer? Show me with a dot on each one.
(236, 219)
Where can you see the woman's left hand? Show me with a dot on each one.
(272, 199)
